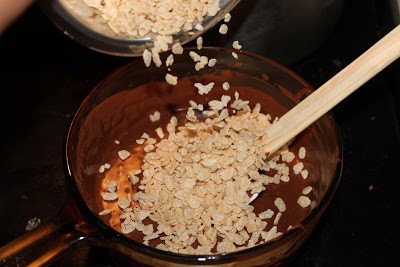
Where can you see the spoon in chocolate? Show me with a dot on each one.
(352, 77)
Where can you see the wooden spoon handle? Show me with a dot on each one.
(375, 59)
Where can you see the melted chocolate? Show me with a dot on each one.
(125, 117)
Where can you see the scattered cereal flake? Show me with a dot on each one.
(226, 86)
(304, 201)
(277, 218)
(104, 167)
(147, 57)
(199, 27)
(268, 214)
(148, 148)
(191, 115)
(223, 29)
(225, 100)
(280, 204)
(124, 202)
(307, 190)
(227, 17)
(288, 156)
(196, 57)
(127, 228)
(170, 60)
(212, 62)
(153, 118)
(173, 80)
(304, 174)
(156, 57)
(298, 167)
(32, 223)
(134, 179)
(302, 153)
(101, 169)
(213, 8)
(285, 178)
(160, 132)
(216, 105)
(123, 154)
(271, 234)
(117, 142)
(236, 45)
(177, 48)
(112, 186)
(140, 141)
(104, 212)
(107, 196)
(199, 42)
(204, 89)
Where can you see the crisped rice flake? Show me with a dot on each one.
(304, 201)
(173, 80)
(304, 174)
(124, 202)
(124, 154)
(277, 218)
(105, 212)
(108, 196)
(160, 132)
(199, 42)
(268, 214)
(112, 186)
(147, 57)
(134, 179)
(199, 27)
(298, 167)
(170, 60)
(280, 204)
(204, 89)
(226, 86)
(302, 153)
(212, 62)
(288, 156)
(140, 141)
(104, 167)
(227, 17)
(177, 49)
(223, 29)
(236, 45)
(307, 190)
(153, 118)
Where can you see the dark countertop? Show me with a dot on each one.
(45, 76)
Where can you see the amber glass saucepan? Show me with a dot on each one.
(118, 108)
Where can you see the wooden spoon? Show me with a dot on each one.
(371, 62)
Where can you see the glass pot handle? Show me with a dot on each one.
(49, 241)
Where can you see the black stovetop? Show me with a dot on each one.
(45, 76)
